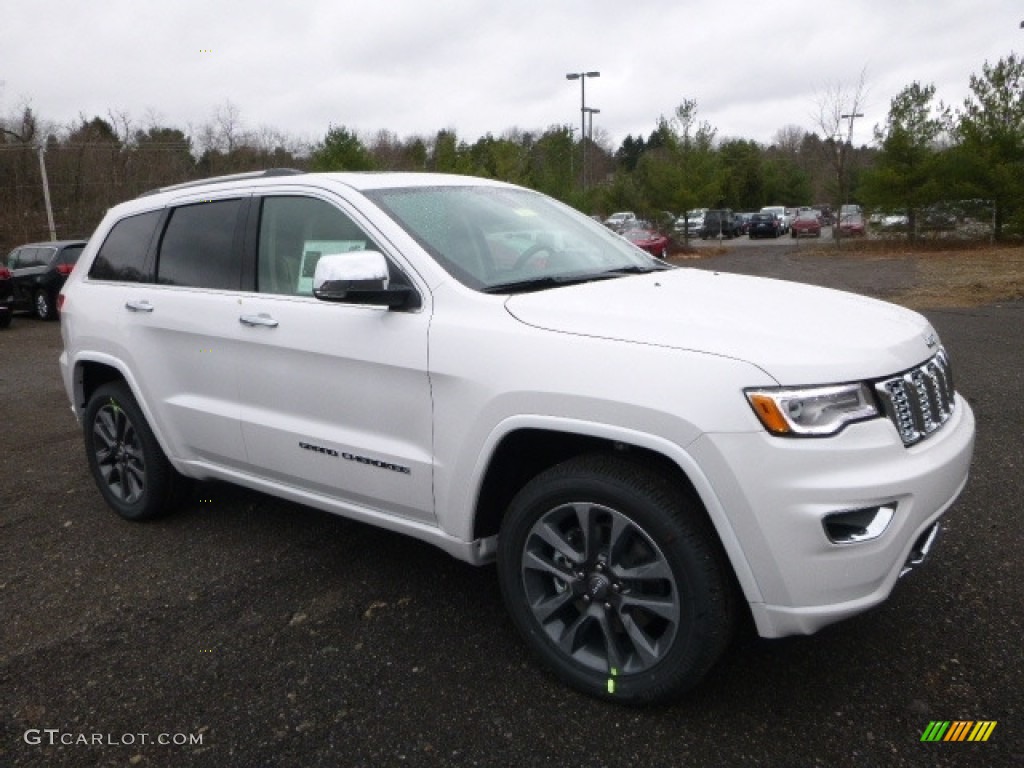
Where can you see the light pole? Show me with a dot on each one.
(590, 121)
(582, 77)
(590, 137)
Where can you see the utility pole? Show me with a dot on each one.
(46, 193)
(842, 171)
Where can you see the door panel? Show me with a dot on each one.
(336, 399)
(186, 343)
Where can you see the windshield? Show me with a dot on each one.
(493, 238)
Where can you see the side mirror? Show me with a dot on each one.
(360, 277)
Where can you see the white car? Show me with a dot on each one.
(646, 451)
(619, 221)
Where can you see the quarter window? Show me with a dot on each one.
(198, 247)
(122, 256)
(294, 233)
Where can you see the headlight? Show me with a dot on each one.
(812, 411)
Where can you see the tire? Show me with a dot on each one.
(616, 580)
(129, 467)
(5, 319)
(43, 306)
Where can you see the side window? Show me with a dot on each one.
(42, 257)
(14, 259)
(28, 257)
(198, 247)
(294, 233)
(122, 256)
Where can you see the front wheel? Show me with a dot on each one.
(616, 580)
(126, 461)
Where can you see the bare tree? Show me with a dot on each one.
(228, 123)
(788, 139)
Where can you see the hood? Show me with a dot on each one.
(798, 334)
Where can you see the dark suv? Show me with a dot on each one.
(39, 271)
(718, 223)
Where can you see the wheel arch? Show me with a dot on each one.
(522, 453)
(90, 373)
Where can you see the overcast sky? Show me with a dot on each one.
(478, 66)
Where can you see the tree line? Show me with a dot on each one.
(924, 155)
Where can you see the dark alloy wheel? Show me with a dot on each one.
(127, 463)
(616, 580)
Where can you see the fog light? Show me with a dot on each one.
(858, 525)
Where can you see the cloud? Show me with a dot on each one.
(416, 67)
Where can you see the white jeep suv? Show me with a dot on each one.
(645, 451)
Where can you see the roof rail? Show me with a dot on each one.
(270, 172)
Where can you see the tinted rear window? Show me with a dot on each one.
(123, 254)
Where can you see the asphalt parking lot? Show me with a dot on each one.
(248, 631)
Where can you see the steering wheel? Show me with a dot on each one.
(531, 252)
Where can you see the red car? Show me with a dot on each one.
(851, 225)
(653, 242)
(806, 224)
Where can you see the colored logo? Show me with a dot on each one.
(958, 730)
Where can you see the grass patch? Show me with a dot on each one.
(949, 273)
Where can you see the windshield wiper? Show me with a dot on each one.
(548, 281)
(637, 269)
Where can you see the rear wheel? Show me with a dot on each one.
(616, 580)
(126, 461)
(43, 305)
(5, 319)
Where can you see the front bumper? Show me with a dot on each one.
(777, 494)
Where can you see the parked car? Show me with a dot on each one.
(39, 271)
(852, 225)
(651, 455)
(6, 297)
(742, 223)
(649, 240)
(937, 217)
(620, 221)
(763, 225)
(718, 222)
(779, 211)
(895, 222)
(825, 214)
(806, 224)
(692, 222)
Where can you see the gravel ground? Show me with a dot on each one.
(280, 636)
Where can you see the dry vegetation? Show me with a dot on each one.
(949, 274)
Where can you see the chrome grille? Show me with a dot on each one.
(921, 400)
